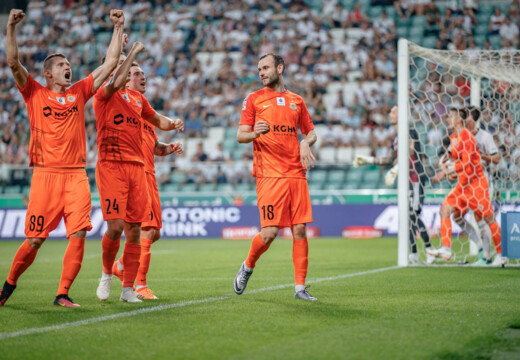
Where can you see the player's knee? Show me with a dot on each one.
(133, 232)
(157, 235)
(268, 235)
(490, 219)
(299, 231)
(79, 234)
(35, 243)
(444, 211)
(115, 228)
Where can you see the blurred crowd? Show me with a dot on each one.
(184, 37)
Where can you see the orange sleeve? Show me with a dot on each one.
(248, 111)
(30, 86)
(100, 93)
(306, 124)
(148, 110)
(86, 87)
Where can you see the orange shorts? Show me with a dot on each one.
(123, 191)
(283, 202)
(56, 194)
(474, 196)
(154, 215)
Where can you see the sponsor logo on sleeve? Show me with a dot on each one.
(245, 103)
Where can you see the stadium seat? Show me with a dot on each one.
(336, 176)
(243, 187)
(222, 188)
(170, 187)
(207, 187)
(11, 190)
(328, 154)
(316, 186)
(189, 187)
(345, 155)
(177, 177)
(317, 176)
(371, 179)
(354, 177)
(363, 150)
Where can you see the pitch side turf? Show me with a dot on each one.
(367, 308)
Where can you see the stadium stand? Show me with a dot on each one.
(201, 62)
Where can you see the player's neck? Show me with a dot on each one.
(458, 129)
(278, 87)
(58, 89)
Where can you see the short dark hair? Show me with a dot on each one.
(277, 60)
(47, 63)
(474, 112)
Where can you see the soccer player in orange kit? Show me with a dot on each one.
(471, 190)
(270, 119)
(59, 187)
(120, 173)
(151, 228)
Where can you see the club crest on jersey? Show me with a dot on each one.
(71, 98)
(280, 101)
(60, 99)
(293, 106)
(125, 96)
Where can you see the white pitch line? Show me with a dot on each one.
(8, 335)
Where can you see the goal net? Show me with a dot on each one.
(431, 82)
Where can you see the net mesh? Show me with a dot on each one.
(440, 80)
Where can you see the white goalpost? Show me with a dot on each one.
(429, 83)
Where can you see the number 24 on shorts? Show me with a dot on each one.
(114, 205)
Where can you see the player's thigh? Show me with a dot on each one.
(138, 205)
(456, 199)
(480, 201)
(274, 203)
(154, 215)
(301, 208)
(113, 186)
(78, 204)
(45, 208)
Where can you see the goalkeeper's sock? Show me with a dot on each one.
(300, 260)
(258, 247)
(485, 233)
(497, 237)
(446, 232)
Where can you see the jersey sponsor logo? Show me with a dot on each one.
(47, 111)
(118, 119)
(280, 101)
(515, 229)
(147, 127)
(60, 99)
(293, 106)
(71, 98)
(284, 129)
(245, 103)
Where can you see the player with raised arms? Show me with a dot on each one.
(59, 187)
(270, 119)
(120, 173)
(151, 228)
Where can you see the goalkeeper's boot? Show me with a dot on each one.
(145, 293)
(429, 258)
(240, 283)
(103, 290)
(444, 252)
(65, 301)
(499, 260)
(128, 295)
(5, 292)
(413, 258)
(304, 295)
(117, 272)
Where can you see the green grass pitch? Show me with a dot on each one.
(390, 313)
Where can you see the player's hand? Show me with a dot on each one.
(363, 160)
(125, 41)
(391, 175)
(176, 148)
(438, 177)
(117, 17)
(179, 124)
(306, 156)
(15, 16)
(393, 115)
(261, 127)
(137, 47)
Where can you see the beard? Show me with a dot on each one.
(273, 81)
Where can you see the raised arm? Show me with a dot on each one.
(120, 78)
(20, 73)
(114, 50)
(162, 149)
(165, 123)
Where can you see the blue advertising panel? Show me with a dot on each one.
(511, 235)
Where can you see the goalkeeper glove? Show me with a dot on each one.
(363, 160)
(391, 175)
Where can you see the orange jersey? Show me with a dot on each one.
(149, 140)
(277, 153)
(57, 123)
(464, 151)
(119, 125)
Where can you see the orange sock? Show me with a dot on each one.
(300, 255)
(144, 262)
(258, 247)
(131, 255)
(110, 248)
(496, 234)
(446, 232)
(23, 258)
(71, 264)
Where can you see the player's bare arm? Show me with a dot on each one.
(120, 78)
(495, 158)
(162, 149)
(20, 73)
(246, 133)
(165, 123)
(306, 156)
(114, 49)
